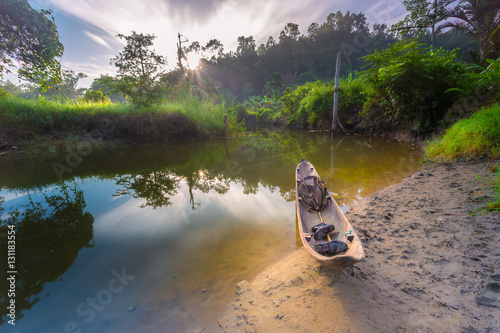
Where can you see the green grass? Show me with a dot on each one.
(469, 138)
(52, 126)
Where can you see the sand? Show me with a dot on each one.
(432, 265)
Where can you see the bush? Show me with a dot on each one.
(95, 96)
(352, 96)
(4, 93)
(412, 86)
(473, 137)
(482, 89)
(239, 112)
(311, 104)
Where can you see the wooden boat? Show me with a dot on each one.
(309, 217)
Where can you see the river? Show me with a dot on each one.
(155, 238)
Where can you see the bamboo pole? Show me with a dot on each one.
(336, 94)
(224, 130)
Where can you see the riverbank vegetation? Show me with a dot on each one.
(473, 137)
(61, 123)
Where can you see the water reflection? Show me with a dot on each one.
(50, 231)
(188, 221)
(156, 187)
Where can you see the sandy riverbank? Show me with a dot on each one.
(432, 265)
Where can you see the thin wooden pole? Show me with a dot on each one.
(336, 94)
(224, 130)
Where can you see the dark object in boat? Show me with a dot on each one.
(322, 231)
(316, 227)
(331, 248)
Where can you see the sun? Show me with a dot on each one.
(193, 60)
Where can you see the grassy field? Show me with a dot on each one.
(35, 122)
(473, 137)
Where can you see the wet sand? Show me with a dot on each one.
(432, 265)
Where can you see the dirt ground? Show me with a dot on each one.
(432, 265)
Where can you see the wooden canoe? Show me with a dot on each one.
(330, 214)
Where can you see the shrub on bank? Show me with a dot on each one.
(476, 136)
(412, 86)
(311, 105)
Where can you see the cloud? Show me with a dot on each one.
(97, 39)
(199, 20)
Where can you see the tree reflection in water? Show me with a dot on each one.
(49, 235)
(156, 187)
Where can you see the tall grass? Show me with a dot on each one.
(188, 117)
(476, 136)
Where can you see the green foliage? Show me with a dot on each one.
(423, 15)
(260, 110)
(4, 93)
(58, 90)
(239, 111)
(480, 19)
(476, 136)
(30, 37)
(95, 96)
(352, 96)
(311, 104)
(487, 81)
(411, 86)
(139, 70)
(317, 105)
(480, 87)
(273, 88)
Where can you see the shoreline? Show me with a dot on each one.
(432, 265)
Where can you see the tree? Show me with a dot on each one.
(215, 47)
(312, 31)
(136, 60)
(106, 84)
(139, 69)
(290, 33)
(275, 86)
(29, 37)
(11, 87)
(346, 23)
(70, 80)
(480, 19)
(423, 15)
(66, 88)
(246, 46)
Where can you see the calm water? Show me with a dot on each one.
(155, 238)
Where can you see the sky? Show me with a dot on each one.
(88, 28)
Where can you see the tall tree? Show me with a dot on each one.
(246, 45)
(480, 19)
(424, 15)
(139, 69)
(290, 33)
(136, 59)
(29, 37)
